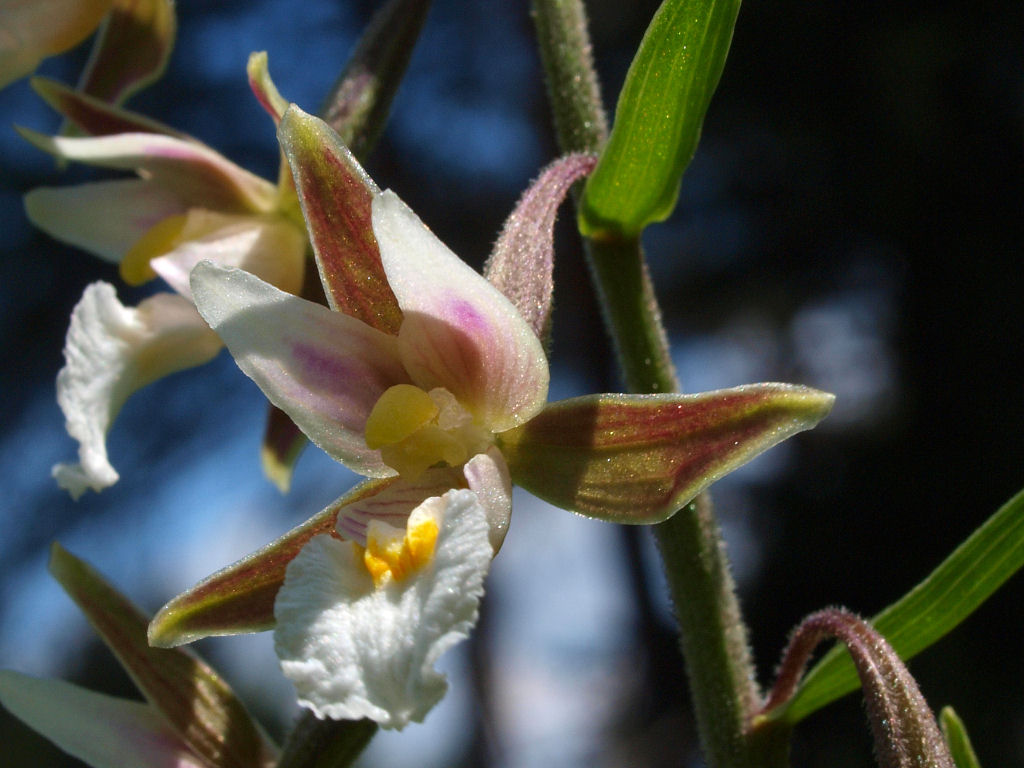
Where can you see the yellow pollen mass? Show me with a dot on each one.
(158, 240)
(416, 430)
(401, 410)
(396, 557)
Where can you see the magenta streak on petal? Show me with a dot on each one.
(320, 368)
(343, 389)
(467, 318)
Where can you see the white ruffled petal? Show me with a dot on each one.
(354, 650)
(111, 351)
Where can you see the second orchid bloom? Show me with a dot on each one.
(426, 377)
(187, 203)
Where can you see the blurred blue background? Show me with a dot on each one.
(851, 221)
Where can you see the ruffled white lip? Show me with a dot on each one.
(354, 650)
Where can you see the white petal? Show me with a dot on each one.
(269, 247)
(324, 369)
(100, 730)
(104, 218)
(356, 651)
(488, 477)
(111, 351)
(30, 31)
(459, 331)
(192, 171)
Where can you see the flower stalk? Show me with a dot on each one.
(712, 633)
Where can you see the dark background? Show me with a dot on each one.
(851, 221)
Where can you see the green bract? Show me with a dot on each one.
(658, 118)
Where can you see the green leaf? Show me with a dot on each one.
(975, 570)
(659, 117)
(639, 458)
(956, 737)
(240, 597)
(199, 707)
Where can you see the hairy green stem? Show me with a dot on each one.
(571, 79)
(712, 633)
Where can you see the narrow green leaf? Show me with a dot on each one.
(975, 570)
(956, 737)
(659, 117)
(240, 597)
(198, 705)
(336, 196)
(639, 458)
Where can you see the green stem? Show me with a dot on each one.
(713, 636)
(571, 79)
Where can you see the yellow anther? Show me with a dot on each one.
(397, 556)
(158, 240)
(400, 411)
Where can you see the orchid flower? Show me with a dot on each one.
(131, 49)
(190, 718)
(428, 379)
(187, 204)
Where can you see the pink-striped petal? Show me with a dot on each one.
(100, 730)
(459, 332)
(393, 504)
(195, 173)
(104, 218)
(324, 368)
(337, 197)
(271, 248)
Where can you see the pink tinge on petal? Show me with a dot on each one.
(459, 332)
(192, 171)
(324, 369)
